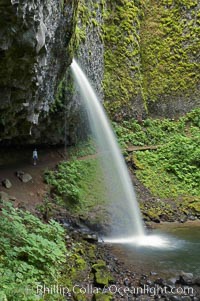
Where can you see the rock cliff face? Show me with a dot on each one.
(152, 63)
(142, 58)
(89, 52)
(34, 54)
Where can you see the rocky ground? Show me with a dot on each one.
(111, 277)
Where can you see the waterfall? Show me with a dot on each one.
(125, 212)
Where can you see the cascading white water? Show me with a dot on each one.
(124, 206)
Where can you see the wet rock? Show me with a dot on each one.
(126, 282)
(159, 281)
(172, 281)
(191, 217)
(175, 298)
(149, 282)
(185, 298)
(4, 196)
(197, 281)
(6, 183)
(153, 273)
(183, 219)
(90, 238)
(143, 282)
(186, 278)
(34, 53)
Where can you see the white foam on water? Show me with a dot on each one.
(153, 241)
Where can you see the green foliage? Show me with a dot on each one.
(79, 184)
(64, 180)
(83, 148)
(156, 131)
(173, 170)
(30, 252)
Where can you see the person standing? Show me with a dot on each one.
(35, 156)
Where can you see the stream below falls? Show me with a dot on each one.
(180, 252)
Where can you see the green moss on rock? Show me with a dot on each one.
(169, 49)
(122, 59)
(102, 275)
(103, 297)
(151, 56)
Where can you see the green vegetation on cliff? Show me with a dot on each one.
(170, 42)
(122, 79)
(151, 54)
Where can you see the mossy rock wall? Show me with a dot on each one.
(122, 78)
(170, 43)
(151, 57)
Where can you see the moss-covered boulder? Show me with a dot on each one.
(103, 297)
(102, 275)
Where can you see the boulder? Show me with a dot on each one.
(153, 273)
(103, 297)
(19, 173)
(101, 273)
(186, 298)
(186, 278)
(172, 281)
(24, 177)
(6, 183)
(175, 298)
(197, 281)
(4, 196)
(92, 238)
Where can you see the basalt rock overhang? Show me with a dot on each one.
(35, 52)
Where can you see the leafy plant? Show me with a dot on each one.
(172, 170)
(64, 180)
(30, 252)
(156, 131)
(78, 184)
